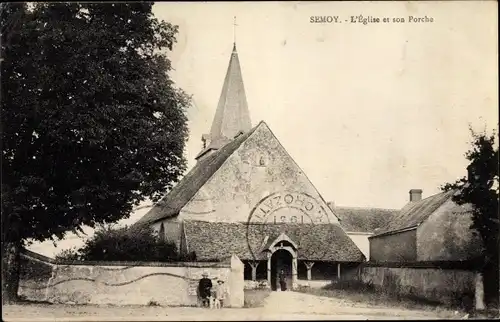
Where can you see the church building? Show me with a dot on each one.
(246, 196)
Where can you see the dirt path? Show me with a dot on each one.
(307, 304)
(278, 306)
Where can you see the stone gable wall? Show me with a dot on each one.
(257, 169)
(446, 235)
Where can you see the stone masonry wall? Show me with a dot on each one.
(168, 284)
(397, 247)
(172, 229)
(446, 286)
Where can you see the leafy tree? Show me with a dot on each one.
(136, 243)
(92, 124)
(71, 254)
(480, 189)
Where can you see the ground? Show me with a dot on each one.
(278, 306)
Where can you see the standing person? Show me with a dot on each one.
(204, 288)
(221, 292)
(282, 278)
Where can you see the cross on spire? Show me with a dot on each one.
(231, 116)
(234, 30)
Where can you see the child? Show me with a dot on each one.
(221, 292)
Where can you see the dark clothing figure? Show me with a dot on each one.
(282, 279)
(204, 288)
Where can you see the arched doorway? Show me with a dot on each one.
(281, 259)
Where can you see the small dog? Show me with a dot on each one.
(213, 300)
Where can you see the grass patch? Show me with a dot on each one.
(256, 297)
(153, 303)
(358, 292)
(22, 300)
(487, 314)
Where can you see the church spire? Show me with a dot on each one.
(232, 116)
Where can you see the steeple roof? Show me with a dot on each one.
(232, 116)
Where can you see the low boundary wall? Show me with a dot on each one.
(444, 282)
(125, 283)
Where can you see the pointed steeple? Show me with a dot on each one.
(232, 116)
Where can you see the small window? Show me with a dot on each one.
(261, 160)
(161, 233)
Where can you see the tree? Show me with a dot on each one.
(71, 254)
(136, 243)
(481, 190)
(92, 124)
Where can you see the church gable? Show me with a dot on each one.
(258, 182)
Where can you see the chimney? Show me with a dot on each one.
(471, 173)
(205, 139)
(415, 195)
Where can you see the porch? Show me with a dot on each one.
(298, 272)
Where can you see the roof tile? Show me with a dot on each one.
(365, 220)
(214, 240)
(416, 212)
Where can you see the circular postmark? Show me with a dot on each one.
(295, 214)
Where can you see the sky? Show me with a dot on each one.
(367, 111)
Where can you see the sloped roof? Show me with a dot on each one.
(365, 220)
(30, 254)
(414, 213)
(184, 190)
(213, 240)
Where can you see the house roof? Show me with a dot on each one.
(213, 240)
(184, 190)
(33, 255)
(414, 213)
(365, 220)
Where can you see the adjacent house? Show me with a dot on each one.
(430, 229)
